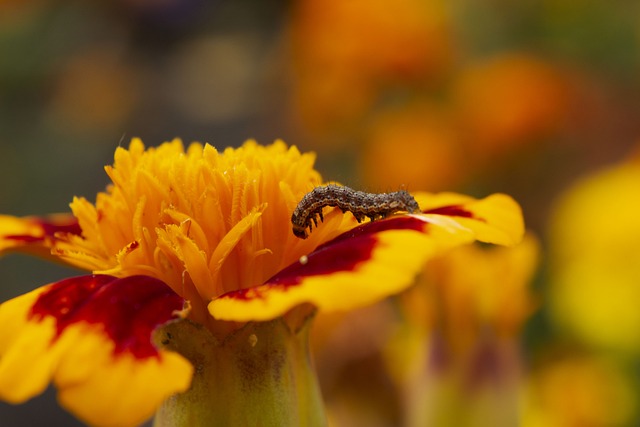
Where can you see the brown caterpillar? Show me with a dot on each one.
(359, 203)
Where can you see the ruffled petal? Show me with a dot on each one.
(357, 268)
(92, 336)
(36, 235)
(495, 219)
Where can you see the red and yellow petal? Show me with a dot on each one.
(35, 235)
(495, 219)
(376, 259)
(360, 267)
(92, 336)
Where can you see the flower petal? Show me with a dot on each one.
(495, 219)
(92, 336)
(357, 268)
(36, 235)
(376, 259)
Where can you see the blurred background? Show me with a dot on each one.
(539, 99)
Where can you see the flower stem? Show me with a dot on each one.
(259, 375)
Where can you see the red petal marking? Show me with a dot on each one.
(49, 229)
(401, 222)
(128, 309)
(452, 210)
(343, 253)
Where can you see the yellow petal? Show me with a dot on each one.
(120, 390)
(495, 219)
(92, 336)
(26, 357)
(33, 234)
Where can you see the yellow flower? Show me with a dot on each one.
(595, 258)
(196, 219)
(204, 236)
(475, 289)
(456, 358)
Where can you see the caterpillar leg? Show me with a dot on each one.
(359, 216)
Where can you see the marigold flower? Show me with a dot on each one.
(205, 236)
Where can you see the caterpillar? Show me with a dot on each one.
(359, 203)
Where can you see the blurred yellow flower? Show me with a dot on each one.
(457, 357)
(595, 258)
(471, 290)
(578, 391)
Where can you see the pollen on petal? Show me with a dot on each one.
(92, 336)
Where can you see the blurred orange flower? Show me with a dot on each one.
(344, 51)
(508, 101)
(578, 391)
(416, 147)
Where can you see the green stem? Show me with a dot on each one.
(259, 375)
